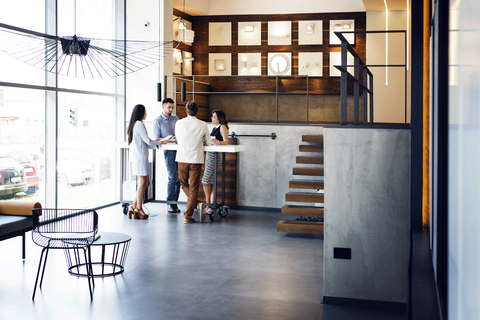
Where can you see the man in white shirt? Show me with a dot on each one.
(191, 134)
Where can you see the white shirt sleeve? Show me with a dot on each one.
(142, 131)
(206, 136)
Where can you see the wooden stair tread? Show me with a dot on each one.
(304, 197)
(310, 148)
(310, 160)
(305, 184)
(312, 138)
(300, 226)
(317, 172)
(303, 211)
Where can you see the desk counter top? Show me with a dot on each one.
(230, 148)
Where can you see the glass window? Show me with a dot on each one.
(86, 154)
(22, 140)
(26, 14)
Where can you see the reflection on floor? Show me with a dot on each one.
(238, 267)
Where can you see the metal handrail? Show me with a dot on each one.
(276, 92)
(233, 135)
(367, 84)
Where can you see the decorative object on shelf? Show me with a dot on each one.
(182, 29)
(177, 61)
(220, 64)
(182, 62)
(220, 34)
(309, 28)
(248, 62)
(336, 60)
(184, 34)
(187, 64)
(342, 25)
(279, 33)
(178, 56)
(279, 63)
(81, 57)
(310, 32)
(250, 33)
(312, 64)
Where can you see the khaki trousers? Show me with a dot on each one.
(189, 177)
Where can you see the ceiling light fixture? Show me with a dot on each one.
(81, 57)
(249, 28)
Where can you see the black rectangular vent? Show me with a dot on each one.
(342, 253)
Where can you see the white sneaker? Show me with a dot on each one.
(201, 211)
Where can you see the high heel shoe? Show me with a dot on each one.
(131, 211)
(140, 214)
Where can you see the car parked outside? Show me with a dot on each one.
(12, 178)
(30, 169)
(71, 171)
(103, 162)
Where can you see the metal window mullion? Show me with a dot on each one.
(343, 87)
(365, 82)
(371, 98)
(356, 93)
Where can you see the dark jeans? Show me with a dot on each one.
(173, 186)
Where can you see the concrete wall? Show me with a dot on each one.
(265, 167)
(367, 203)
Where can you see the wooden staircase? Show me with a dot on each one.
(316, 146)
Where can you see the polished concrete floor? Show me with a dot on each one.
(238, 267)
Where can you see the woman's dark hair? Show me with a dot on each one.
(222, 118)
(137, 114)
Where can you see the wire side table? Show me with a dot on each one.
(114, 249)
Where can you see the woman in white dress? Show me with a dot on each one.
(139, 143)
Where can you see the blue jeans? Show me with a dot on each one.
(173, 186)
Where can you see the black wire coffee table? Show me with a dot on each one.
(114, 248)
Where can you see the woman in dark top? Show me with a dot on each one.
(219, 137)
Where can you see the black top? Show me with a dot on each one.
(216, 133)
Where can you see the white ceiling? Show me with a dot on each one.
(245, 7)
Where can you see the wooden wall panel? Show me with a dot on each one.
(202, 100)
(323, 85)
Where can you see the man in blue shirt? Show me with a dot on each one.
(163, 127)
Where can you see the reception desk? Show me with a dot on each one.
(222, 149)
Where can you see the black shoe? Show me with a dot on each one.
(172, 209)
(175, 207)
